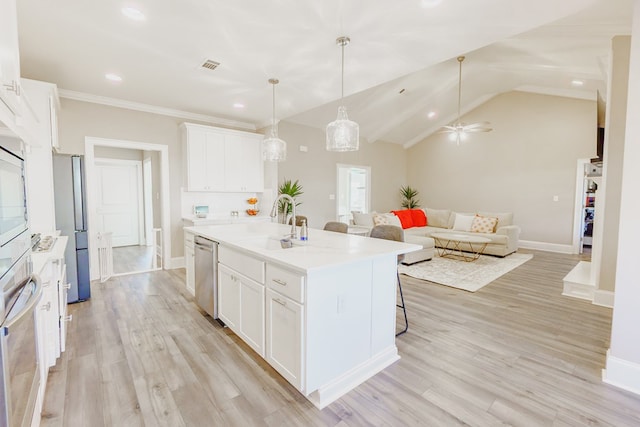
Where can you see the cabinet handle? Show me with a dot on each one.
(46, 307)
(280, 282)
(279, 301)
(67, 286)
(68, 318)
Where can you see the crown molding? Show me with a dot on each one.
(137, 106)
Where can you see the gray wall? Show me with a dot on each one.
(528, 158)
(317, 171)
(117, 153)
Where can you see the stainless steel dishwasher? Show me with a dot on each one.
(206, 275)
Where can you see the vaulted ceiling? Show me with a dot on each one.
(399, 67)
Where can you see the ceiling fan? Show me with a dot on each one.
(458, 130)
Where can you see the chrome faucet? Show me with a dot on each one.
(274, 212)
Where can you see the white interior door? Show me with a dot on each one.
(119, 204)
(148, 201)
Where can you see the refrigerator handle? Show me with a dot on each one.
(78, 193)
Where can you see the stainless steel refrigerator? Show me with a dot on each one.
(71, 220)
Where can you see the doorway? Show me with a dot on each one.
(122, 209)
(354, 191)
(588, 178)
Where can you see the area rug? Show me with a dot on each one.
(469, 276)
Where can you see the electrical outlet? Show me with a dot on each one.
(304, 148)
(556, 198)
(332, 196)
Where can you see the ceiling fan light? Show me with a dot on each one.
(342, 133)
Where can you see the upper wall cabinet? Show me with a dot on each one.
(9, 63)
(222, 160)
(43, 100)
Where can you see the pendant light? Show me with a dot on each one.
(273, 148)
(342, 133)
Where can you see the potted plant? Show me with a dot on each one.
(293, 189)
(409, 197)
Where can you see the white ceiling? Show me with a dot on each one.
(539, 46)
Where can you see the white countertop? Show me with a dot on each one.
(40, 259)
(323, 249)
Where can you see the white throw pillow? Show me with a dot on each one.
(363, 219)
(463, 222)
(386, 219)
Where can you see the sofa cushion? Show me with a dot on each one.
(463, 222)
(484, 224)
(418, 217)
(438, 217)
(405, 218)
(386, 219)
(504, 218)
(363, 219)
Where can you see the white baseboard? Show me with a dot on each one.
(328, 393)
(176, 262)
(622, 374)
(603, 298)
(544, 246)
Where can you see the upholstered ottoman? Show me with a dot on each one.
(425, 254)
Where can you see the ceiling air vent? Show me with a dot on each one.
(210, 65)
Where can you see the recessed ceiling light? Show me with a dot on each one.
(113, 77)
(431, 114)
(577, 82)
(133, 13)
(238, 105)
(430, 3)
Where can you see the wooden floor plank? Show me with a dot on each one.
(516, 352)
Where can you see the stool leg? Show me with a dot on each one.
(404, 309)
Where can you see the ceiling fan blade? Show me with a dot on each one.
(477, 125)
(474, 130)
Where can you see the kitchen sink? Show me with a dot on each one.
(270, 243)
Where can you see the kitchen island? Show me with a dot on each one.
(322, 313)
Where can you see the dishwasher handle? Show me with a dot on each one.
(204, 244)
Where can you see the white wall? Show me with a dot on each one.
(528, 158)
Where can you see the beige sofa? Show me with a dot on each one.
(503, 241)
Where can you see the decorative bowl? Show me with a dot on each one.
(252, 212)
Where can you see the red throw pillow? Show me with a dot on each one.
(418, 217)
(405, 218)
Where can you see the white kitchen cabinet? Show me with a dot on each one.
(189, 261)
(229, 297)
(252, 314)
(63, 289)
(222, 160)
(43, 97)
(10, 103)
(241, 306)
(284, 319)
(205, 157)
(244, 164)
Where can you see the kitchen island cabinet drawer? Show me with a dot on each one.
(248, 265)
(286, 282)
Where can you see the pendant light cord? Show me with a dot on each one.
(274, 105)
(460, 59)
(342, 78)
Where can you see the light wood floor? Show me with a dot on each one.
(127, 259)
(514, 353)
